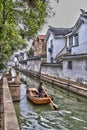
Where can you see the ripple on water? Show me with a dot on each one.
(77, 119)
(72, 116)
(56, 119)
(36, 126)
(43, 119)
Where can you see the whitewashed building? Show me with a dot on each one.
(69, 46)
(56, 42)
(67, 40)
(66, 52)
(77, 39)
(75, 62)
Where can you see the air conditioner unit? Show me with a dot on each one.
(50, 50)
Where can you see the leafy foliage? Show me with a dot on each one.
(30, 53)
(19, 19)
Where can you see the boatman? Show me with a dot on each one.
(40, 90)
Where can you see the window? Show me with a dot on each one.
(76, 37)
(70, 40)
(51, 43)
(69, 64)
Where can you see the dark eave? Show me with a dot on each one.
(52, 64)
(57, 32)
(60, 31)
(35, 58)
(74, 56)
(77, 25)
(82, 18)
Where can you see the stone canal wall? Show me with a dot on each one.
(15, 91)
(10, 120)
(77, 88)
(77, 73)
(54, 70)
(67, 84)
(14, 86)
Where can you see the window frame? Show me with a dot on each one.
(71, 40)
(51, 43)
(69, 66)
(76, 39)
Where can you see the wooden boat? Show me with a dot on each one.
(32, 94)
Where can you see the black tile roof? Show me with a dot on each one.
(60, 31)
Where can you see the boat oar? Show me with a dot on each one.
(52, 103)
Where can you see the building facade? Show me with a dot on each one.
(39, 45)
(56, 42)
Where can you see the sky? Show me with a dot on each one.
(67, 13)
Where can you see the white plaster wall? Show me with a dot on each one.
(23, 66)
(48, 46)
(34, 65)
(82, 48)
(51, 71)
(78, 70)
(58, 44)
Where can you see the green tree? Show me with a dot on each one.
(19, 19)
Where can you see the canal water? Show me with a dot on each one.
(72, 114)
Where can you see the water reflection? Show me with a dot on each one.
(72, 114)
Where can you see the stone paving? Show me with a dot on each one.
(10, 119)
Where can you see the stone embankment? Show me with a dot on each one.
(75, 87)
(10, 121)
